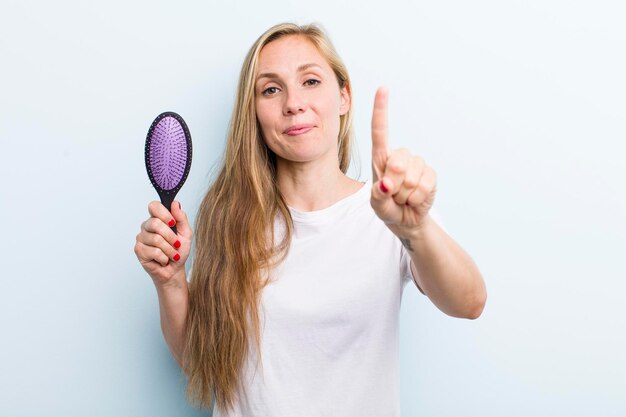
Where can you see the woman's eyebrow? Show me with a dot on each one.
(301, 68)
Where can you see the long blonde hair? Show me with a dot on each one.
(234, 235)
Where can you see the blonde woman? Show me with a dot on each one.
(291, 307)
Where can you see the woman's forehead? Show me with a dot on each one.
(290, 53)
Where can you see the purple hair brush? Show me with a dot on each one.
(168, 156)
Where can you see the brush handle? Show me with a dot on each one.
(167, 198)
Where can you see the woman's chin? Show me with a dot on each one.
(302, 156)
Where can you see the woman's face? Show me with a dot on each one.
(298, 101)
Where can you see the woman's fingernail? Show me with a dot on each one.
(172, 222)
(177, 243)
(168, 262)
(382, 187)
(179, 206)
(176, 257)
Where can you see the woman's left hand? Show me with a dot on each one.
(404, 186)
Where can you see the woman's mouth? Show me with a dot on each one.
(298, 130)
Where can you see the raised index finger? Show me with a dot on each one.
(380, 141)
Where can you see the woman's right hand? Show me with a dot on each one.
(161, 252)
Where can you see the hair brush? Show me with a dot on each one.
(168, 156)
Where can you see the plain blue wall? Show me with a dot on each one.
(518, 105)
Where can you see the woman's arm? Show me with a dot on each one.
(445, 272)
(403, 192)
(174, 306)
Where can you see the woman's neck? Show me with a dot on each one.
(309, 186)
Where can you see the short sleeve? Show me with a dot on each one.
(407, 273)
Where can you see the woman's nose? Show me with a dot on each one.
(294, 103)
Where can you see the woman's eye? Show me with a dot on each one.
(315, 82)
(267, 91)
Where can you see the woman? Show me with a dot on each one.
(293, 301)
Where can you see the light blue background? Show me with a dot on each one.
(518, 105)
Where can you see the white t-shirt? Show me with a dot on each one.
(329, 319)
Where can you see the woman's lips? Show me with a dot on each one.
(298, 130)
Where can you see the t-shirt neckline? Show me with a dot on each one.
(328, 212)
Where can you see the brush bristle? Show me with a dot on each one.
(168, 153)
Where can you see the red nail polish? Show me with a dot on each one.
(172, 223)
(382, 187)
(168, 262)
(177, 244)
(179, 206)
(176, 257)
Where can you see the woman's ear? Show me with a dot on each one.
(346, 100)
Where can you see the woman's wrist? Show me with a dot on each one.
(413, 233)
(175, 284)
